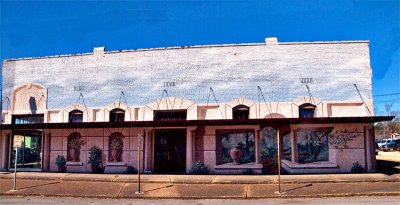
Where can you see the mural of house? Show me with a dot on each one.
(229, 106)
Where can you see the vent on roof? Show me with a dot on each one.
(98, 50)
(305, 80)
(271, 40)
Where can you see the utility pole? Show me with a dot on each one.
(279, 164)
(139, 143)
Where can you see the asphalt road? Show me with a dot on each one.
(317, 201)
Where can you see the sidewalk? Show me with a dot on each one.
(206, 179)
(199, 187)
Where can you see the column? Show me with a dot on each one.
(5, 150)
(148, 151)
(257, 147)
(189, 147)
(46, 152)
(281, 150)
(293, 137)
(370, 150)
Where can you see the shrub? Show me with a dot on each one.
(60, 161)
(130, 170)
(357, 168)
(270, 165)
(198, 168)
(248, 172)
(95, 156)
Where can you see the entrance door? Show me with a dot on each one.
(170, 151)
(30, 152)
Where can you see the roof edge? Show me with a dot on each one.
(186, 47)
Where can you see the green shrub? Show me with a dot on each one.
(248, 172)
(60, 161)
(357, 168)
(198, 168)
(130, 170)
(95, 156)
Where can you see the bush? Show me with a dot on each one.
(357, 168)
(60, 161)
(95, 156)
(270, 165)
(130, 170)
(198, 168)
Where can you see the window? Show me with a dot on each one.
(230, 140)
(170, 114)
(240, 112)
(27, 119)
(75, 143)
(115, 147)
(75, 116)
(117, 115)
(312, 145)
(306, 110)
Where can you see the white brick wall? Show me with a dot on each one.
(232, 71)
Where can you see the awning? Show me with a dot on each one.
(185, 123)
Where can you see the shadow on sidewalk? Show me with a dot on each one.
(387, 167)
(35, 186)
(155, 189)
(299, 187)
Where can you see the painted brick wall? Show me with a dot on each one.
(232, 71)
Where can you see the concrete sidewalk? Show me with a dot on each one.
(205, 179)
(114, 189)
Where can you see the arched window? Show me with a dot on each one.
(75, 143)
(306, 110)
(240, 112)
(115, 147)
(117, 115)
(75, 116)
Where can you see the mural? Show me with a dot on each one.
(269, 150)
(287, 148)
(240, 145)
(232, 71)
(312, 145)
(340, 138)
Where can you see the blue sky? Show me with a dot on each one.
(40, 28)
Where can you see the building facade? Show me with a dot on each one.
(228, 106)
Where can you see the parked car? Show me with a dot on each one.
(376, 148)
(394, 144)
(383, 142)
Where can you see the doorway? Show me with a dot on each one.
(30, 152)
(170, 151)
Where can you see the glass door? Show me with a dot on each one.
(30, 152)
(170, 151)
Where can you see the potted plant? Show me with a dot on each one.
(198, 167)
(95, 159)
(116, 146)
(61, 163)
(74, 146)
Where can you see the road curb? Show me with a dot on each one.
(205, 197)
(394, 180)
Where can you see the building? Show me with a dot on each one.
(198, 103)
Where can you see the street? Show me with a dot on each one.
(67, 200)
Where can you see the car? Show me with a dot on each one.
(394, 144)
(383, 142)
(376, 148)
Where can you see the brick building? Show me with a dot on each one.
(194, 103)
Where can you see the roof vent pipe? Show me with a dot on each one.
(271, 41)
(98, 50)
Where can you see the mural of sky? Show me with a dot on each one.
(36, 28)
(232, 72)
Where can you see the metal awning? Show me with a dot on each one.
(185, 123)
